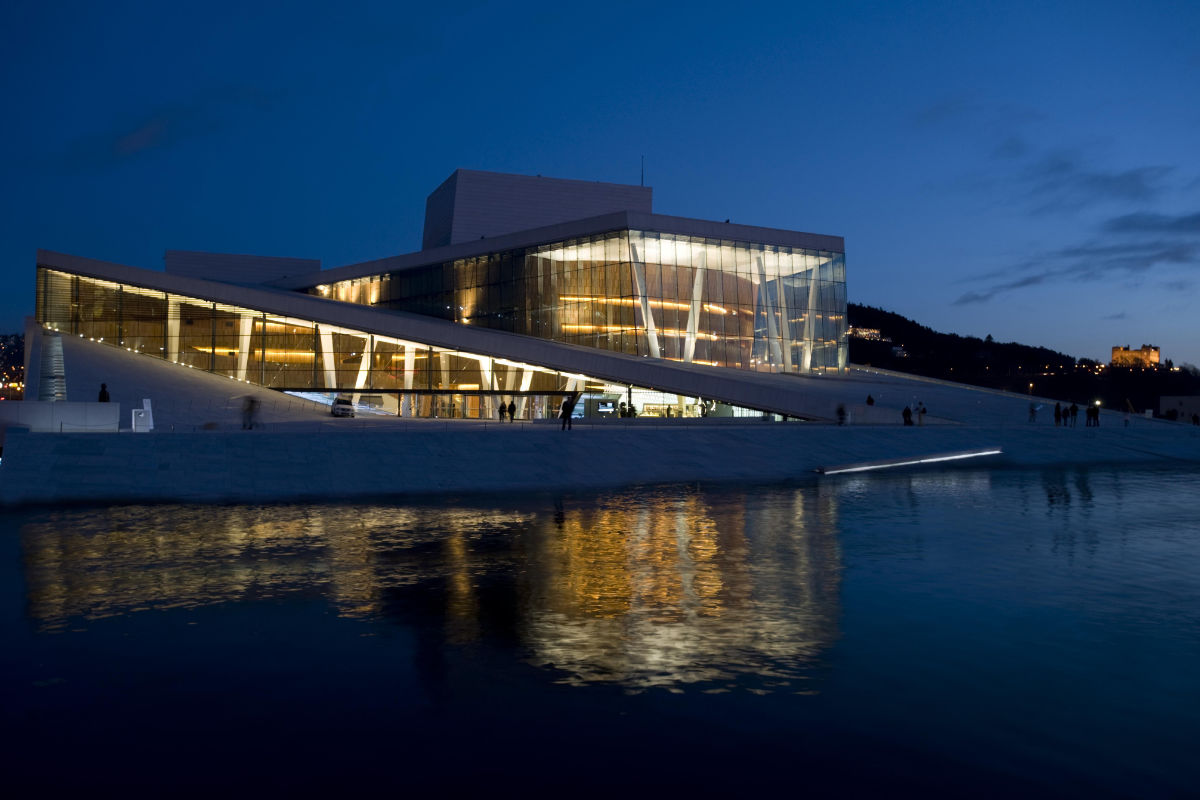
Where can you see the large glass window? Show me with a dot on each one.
(723, 303)
(400, 377)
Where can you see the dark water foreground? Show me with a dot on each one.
(969, 632)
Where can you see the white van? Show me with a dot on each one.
(342, 407)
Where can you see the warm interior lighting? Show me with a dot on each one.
(584, 328)
(629, 301)
(695, 361)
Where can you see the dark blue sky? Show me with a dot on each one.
(1026, 170)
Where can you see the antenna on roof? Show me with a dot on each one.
(643, 170)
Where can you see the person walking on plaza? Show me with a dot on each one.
(907, 415)
(512, 411)
(249, 412)
(103, 393)
(503, 410)
(921, 414)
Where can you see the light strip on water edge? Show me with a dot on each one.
(929, 460)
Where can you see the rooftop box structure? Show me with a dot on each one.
(471, 205)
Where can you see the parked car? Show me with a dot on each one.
(342, 407)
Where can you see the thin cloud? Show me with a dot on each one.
(1089, 262)
(1062, 182)
(163, 127)
(947, 109)
(1012, 147)
(1116, 316)
(1154, 223)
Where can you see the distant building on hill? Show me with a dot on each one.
(870, 334)
(1147, 356)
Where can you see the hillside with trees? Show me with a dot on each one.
(907, 346)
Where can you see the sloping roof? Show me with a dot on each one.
(783, 394)
(591, 226)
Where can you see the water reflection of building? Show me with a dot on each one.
(631, 588)
(91, 564)
(678, 589)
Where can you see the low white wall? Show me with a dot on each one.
(263, 466)
(62, 417)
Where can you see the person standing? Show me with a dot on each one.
(907, 415)
(103, 393)
(249, 412)
(921, 414)
(1074, 409)
(503, 410)
(568, 408)
(512, 411)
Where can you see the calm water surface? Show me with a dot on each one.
(990, 632)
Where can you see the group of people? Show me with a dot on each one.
(907, 414)
(1068, 416)
(509, 411)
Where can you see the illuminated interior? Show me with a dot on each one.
(730, 304)
(396, 376)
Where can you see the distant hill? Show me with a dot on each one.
(908, 346)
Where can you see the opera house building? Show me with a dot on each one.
(527, 290)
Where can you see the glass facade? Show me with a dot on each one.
(707, 301)
(407, 378)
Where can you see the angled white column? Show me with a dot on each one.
(245, 331)
(487, 403)
(689, 343)
(639, 283)
(444, 363)
(785, 325)
(526, 382)
(410, 352)
(172, 330)
(510, 383)
(772, 329)
(810, 318)
(327, 358)
(364, 366)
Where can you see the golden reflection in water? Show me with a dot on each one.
(92, 564)
(637, 588)
(671, 590)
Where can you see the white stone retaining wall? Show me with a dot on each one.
(222, 466)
